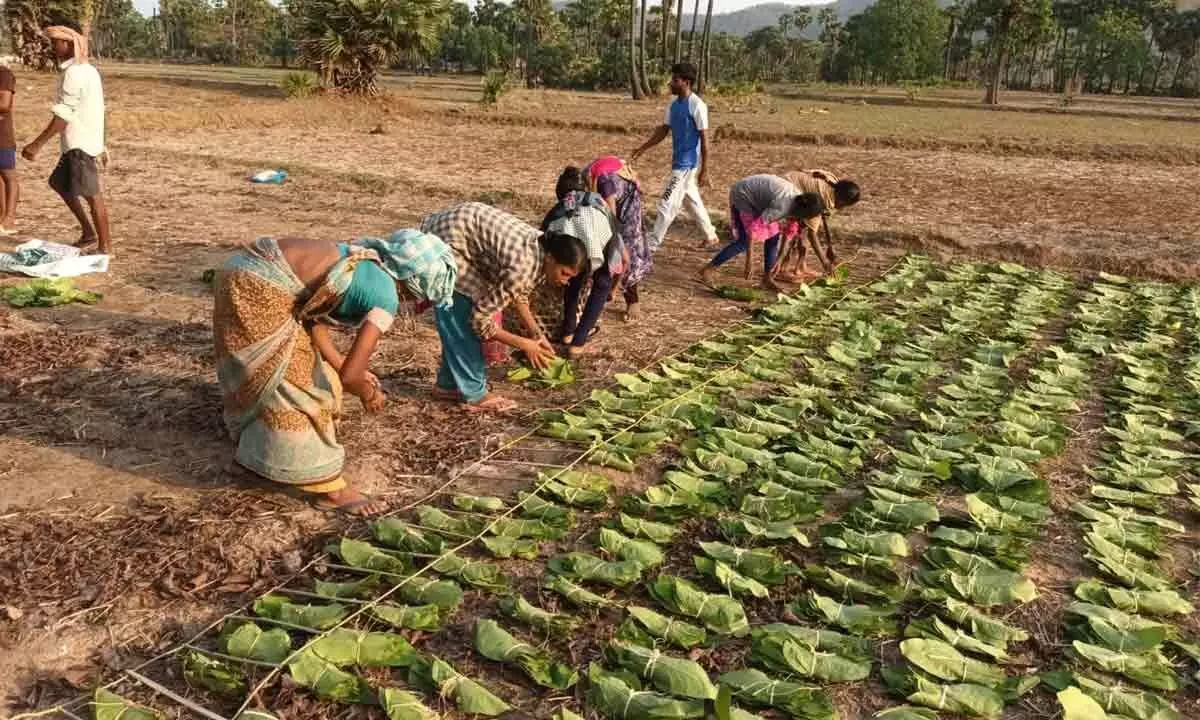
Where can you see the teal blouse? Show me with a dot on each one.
(370, 287)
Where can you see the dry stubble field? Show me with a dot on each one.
(122, 533)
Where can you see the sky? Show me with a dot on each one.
(147, 7)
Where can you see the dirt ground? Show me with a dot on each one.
(122, 530)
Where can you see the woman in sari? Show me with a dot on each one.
(281, 376)
(618, 185)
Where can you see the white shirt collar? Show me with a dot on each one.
(66, 63)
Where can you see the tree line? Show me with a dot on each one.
(1143, 47)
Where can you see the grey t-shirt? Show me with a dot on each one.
(768, 197)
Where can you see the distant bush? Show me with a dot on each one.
(495, 84)
(298, 84)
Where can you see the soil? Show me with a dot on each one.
(124, 532)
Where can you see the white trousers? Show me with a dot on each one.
(682, 191)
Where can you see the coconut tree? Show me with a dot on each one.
(678, 29)
(351, 41)
(635, 77)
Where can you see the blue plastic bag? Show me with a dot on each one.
(269, 177)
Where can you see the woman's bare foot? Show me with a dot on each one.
(579, 351)
(350, 501)
(769, 284)
(86, 240)
(633, 312)
(705, 276)
(492, 403)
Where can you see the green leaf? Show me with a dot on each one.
(495, 643)
(583, 567)
(403, 705)
(212, 674)
(681, 634)
(343, 647)
(905, 712)
(780, 653)
(477, 504)
(652, 531)
(518, 608)
(247, 640)
(1077, 706)
(848, 588)
(1114, 629)
(739, 527)
(326, 680)
(469, 696)
(877, 543)
(848, 646)
(719, 613)
(407, 617)
(472, 572)
(673, 676)
(1148, 669)
(858, 619)
(526, 528)
(445, 594)
(400, 535)
(316, 617)
(1127, 702)
(366, 556)
(439, 521)
(984, 627)
(799, 701)
(47, 293)
(935, 629)
(730, 579)
(507, 547)
(1149, 602)
(578, 595)
(110, 706)
(943, 661)
(987, 586)
(763, 565)
(642, 552)
(615, 700)
(535, 507)
(366, 588)
(963, 698)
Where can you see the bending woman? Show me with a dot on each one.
(615, 181)
(500, 260)
(281, 375)
(759, 208)
(585, 215)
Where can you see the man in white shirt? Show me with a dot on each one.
(686, 121)
(78, 120)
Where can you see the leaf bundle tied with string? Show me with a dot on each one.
(495, 643)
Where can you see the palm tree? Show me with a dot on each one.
(831, 29)
(692, 37)
(953, 15)
(704, 46)
(678, 28)
(635, 81)
(351, 41)
(642, 50)
(666, 26)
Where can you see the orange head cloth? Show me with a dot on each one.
(78, 41)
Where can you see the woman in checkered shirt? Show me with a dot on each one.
(501, 260)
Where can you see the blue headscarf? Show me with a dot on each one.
(419, 260)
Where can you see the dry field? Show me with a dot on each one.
(121, 530)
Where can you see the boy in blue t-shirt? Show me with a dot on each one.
(686, 120)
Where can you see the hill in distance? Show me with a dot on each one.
(745, 21)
